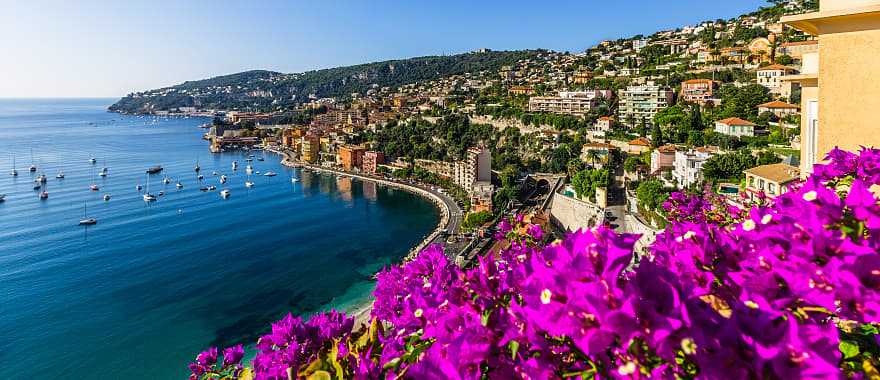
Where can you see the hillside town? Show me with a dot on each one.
(574, 140)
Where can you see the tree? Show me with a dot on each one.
(656, 136)
(728, 166)
(651, 194)
(586, 181)
(633, 163)
(742, 102)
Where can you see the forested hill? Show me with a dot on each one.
(263, 90)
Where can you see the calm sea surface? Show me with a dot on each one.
(139, 294)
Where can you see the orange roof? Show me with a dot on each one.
(777, 104)
(606, 118)
(669, 148)
(641, 141)
(736, 121)
(694, 81)
(776, 67)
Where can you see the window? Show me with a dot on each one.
(772, 188)
(812, 133)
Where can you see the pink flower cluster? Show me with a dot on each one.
(769, 292)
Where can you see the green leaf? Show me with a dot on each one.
(849, 349)
(514, 348)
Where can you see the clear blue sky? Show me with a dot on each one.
(94, 49)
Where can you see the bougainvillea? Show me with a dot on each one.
(787, 288)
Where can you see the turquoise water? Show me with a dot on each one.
(139, 294)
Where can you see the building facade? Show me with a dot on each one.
(771, 180)
(839, 92)
(771, 77)
(372, 160)
(688, 167)
(576, 103)
(735, 127)
(351, 157)
(698, 91)
(638, 103)
(310, 147)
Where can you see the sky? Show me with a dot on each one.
(108, 49)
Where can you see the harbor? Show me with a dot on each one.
(187, 270)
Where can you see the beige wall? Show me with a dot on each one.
(833, 5)
(849, 73)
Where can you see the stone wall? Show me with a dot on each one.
(572, 214)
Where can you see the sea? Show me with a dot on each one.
(140, 293)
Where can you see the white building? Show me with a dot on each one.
(577, 103)
(736, 127)
(476, 167)
(688, 167)
(770, 77)
(639, 103)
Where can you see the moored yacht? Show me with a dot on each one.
(2, 197)
(60, 174)
(154, 169)
(223, 178)
(270, 174)
(166, 180)
(86, 221)
(234, 165)
(225, 193)
(44, 195)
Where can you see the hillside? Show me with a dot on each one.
(262, 90)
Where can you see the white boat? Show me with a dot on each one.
(166, 180)
(249, 169)
(179, 185)
(223, 178)
(270, 174)
(104, 172)
(201, 177)
(161, 193)
(94, 187)
(249, 184)
(14, 172)
(106, 197)
(214, 173)
(198, 167)
(33, 167)
(225, 193)
(212, 188)
(234, 165)
(139, 187)
(147, 196)
(2, 197)
(60, 174)
(294, 180)
(41, 178)
(44, 195)
(86, 221)
(93, 160)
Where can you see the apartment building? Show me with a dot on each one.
(310, 147)
(839, 92)
(663, 159)
(372, 160)
(780, 109)
(476, 167)
(576, 103)
(351, 157)
(642, 102)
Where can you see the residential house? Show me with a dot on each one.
(351, 157)
(735, 127)
(698, 91)
(638, 146)
(521, 90)
(770, 77)
(310, 147)
(797, 49)
(780, 109)
(844, 113)
(688, 167)
(771, 180)
(663, 159)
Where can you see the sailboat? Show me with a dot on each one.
(249, 183)
(14, 172)
(104, 170)
(33, 167)
(44, 194)
(179, 185)
(86, 221)
(60, 174)
(147, 196)
(225, 193)
(94, 186)
(2, 198)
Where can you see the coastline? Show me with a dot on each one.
(361, 312)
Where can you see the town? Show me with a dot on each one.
(571, 140)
